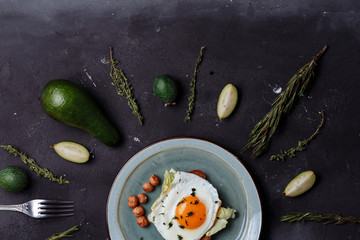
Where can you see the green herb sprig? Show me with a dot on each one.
(123, 87)
(263, 131)
(326, 218)
(301, 144)
(34, 166)
(66, 234)
(191, 98)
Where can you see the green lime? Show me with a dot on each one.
(13, 179)
(165, 88)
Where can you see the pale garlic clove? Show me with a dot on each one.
(227, 101)
(300, 184)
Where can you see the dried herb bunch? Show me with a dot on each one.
(191, 98)
(263, 131)
(123, 87)
(301, 144)
(34, 166)
(326, 218)
(65, 234)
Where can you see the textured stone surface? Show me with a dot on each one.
(256, 45)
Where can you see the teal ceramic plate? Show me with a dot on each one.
(227, 174)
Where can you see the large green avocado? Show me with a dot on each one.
(70, 104)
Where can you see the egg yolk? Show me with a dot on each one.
(190, 212)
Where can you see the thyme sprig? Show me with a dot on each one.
(263, 131)
(65, 234)
(123, 87)
(301, 144)
(326, 218)
(191, 98)
(34, 166)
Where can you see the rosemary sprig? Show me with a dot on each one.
(66, 234)
(263, 131)
(123, 87)
(34, 166)
(326, 218)
(301, 144)
(191, 98)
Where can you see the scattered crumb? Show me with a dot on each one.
(103, 60)
(277, 89)
(89, 76)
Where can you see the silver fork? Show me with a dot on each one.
(41, 208)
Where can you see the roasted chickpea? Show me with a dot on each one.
(142, 198)
(138, 211)
(142, 221)
(154, 180)
(148, 187)
(133, 201)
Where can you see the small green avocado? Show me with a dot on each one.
(13, 179)
(166, 89)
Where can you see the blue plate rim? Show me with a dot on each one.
(254, 225)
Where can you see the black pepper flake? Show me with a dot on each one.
(182, 201)
(180, 237)
(190, 214)
(170, 225)
(193, 192)
(186, 223)
(194, 203)
(181, 226)
(175, 217)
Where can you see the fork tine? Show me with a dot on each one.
(56, 201)
(43, 206)
(54, 211)
(57, 215)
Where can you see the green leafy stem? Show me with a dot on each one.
(326, 218)
(301, 144)
(66, 234)
(123, 87)
(262, 132)
(191, 98)
(34, 166)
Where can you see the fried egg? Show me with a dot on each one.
(187, 209)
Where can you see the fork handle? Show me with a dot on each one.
(10, 207)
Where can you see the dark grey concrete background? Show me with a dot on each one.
(256, 45)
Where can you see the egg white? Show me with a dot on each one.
(163, 213)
